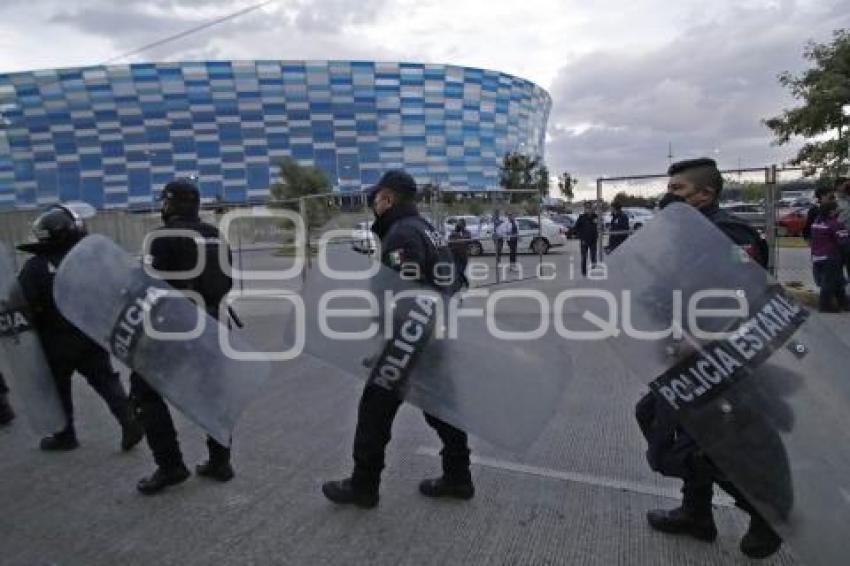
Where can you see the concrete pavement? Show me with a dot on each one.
(577, 496)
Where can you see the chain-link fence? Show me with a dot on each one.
(753, 194)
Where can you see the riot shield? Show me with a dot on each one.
(757, 381)
(498, 378)
(159, 333)
(26, 366)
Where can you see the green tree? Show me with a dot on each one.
(427, 191)
(519, 172)
(566, 184)
(822, 90)
(298, 182)
(625, 199)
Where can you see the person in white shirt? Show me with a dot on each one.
(509, 231)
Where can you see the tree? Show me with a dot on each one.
(566, 184)
(427, 191)
(625, 199)
(519, 172)
(822, 89)
(297, 182)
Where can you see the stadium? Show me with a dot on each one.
(113, 135)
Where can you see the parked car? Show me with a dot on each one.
(791, 223)
(533, 237)
(637, 217)
(363, 239)
(565, 221)
(479, 228)
(752, 214)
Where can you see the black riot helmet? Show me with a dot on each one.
(180, 197)
(58, 228)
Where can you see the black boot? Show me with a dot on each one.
(162, 478)
(221, 471)
(61, 441)
(760, 540)
(218, 466)
(679, 521)
(344, 492)
(444, 487)
(6, 412)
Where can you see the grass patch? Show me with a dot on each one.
(791, 242)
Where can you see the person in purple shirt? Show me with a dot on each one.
(829, 240)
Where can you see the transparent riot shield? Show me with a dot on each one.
(159, 333)
(759, 383)
(25, 364)
(496, 376)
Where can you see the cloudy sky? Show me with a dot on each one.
(627, 77)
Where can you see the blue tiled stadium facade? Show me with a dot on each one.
(114, 135)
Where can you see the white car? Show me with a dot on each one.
(363, 239)
(479, 229)
(637, 217)
(533, 237)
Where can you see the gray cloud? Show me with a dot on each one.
(706, 92)
(129, 24)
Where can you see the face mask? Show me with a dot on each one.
(669, 198)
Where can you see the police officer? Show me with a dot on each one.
(587, 230)
(6, 412)
(406, 238)
(172, 253)
(698, 182)
(67, 349)
(619, 226)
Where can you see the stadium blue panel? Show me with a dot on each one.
(99, 120)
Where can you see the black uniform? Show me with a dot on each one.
(6, 412)
(406, 238)
(174, 254)
(459, 241)
(513, 240)
(619, 230)
(67, 349)
(672, 452)
(587, 231)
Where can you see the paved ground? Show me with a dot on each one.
(577, 496)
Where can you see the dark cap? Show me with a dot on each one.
(397, 180)
(680, 166)
(183, 189)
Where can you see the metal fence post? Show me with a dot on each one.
(302, 210)
(600, 223)
(770, 217)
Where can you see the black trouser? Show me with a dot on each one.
(512, 244)
(460, 264)
(498, 244)
(698, 490)
(375, 416)
(830, 277)
(587, 245)
(153, 414)
(847, 264)
(3, 389)
(92, 363)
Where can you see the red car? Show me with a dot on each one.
(791, 223)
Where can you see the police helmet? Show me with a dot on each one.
(181, 197)
(57, 228)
